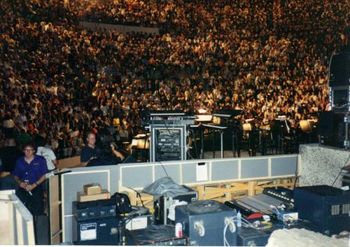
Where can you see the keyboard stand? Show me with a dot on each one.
(221, 129)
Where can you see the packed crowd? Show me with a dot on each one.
(60, 81)
(192, 18)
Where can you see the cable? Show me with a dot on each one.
(278, 212)
(229, 222)
(339, 173)
(138, 211)
(248, 224)
(130, 216)
(137, 195)
(341, 169)
(199, 227)
(296, 177)
(126, 220)
(162, 165)
(226, 243)
(245, 222)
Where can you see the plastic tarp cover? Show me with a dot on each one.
(165, 186)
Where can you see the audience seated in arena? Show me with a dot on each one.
(266, 57)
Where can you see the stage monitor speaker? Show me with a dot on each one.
(339, 69)
(207, 223)
(328, 208)
(331, 128)
(340, 98)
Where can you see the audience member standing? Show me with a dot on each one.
(30, 174)
(45, 150)
(8, 155)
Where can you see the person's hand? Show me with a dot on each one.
(92, 158)
(23, 185)
(112, 147)
(30, 187)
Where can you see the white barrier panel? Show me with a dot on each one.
(16, 221)
(196, 172)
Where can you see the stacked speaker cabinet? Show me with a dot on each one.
(331, 128)
(339, 81)
(168, 143)
(168, 135)
(339, 86)
(95, 223)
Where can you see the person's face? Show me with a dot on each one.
(29, 151)
(91, 139)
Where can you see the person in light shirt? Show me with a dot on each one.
(45, 150)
